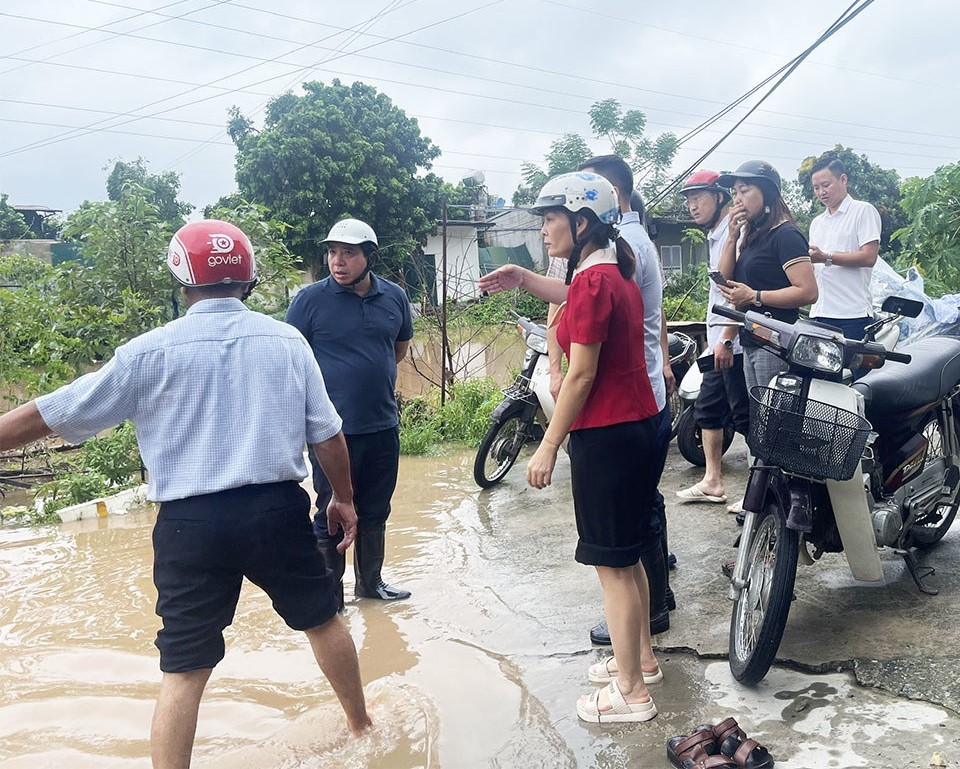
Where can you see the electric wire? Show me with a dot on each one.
(850, 13)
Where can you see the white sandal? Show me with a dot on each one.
(600, 673)
(588, 708)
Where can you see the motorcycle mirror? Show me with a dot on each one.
(908, 308)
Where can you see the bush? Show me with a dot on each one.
(105, 465)
(496, 308)
(464, 418)
(685, 295)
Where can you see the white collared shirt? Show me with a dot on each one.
(716, 240)
(844, 291)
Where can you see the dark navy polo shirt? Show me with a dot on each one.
(353, 340)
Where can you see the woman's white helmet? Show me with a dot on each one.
(578, 191)
(351, 231)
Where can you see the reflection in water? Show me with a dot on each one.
(494, 353)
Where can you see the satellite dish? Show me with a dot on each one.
(474, 179)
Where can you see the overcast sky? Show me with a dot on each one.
(491, 82)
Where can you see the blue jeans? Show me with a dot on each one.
(852, 328)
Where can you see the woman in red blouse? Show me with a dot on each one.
(605, 404)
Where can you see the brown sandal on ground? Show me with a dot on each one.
(746, 754)
(683, 748)
(728, 728)
(709, 762)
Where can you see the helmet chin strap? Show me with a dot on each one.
(367, 258)
(718, 211)
(574, 259)
(366, 271)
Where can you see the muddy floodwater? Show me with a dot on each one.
(481, 668)
(79, 670)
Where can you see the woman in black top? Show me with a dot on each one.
(772, 272)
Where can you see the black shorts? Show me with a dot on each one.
(203, 548)
(614, 475)
(723, 394)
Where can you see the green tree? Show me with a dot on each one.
(340, 150)
(649, 158)
(931, 240)
(123, 244)
(277, 268)
(865, 181)
(162, 189)
(12, 224)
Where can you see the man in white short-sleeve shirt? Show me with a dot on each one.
(844, 242)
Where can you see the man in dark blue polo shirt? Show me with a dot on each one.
(359, 326)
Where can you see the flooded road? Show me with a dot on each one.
(481, 668)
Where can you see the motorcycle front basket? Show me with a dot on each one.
(804, 436)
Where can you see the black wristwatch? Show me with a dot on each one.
(728, 343)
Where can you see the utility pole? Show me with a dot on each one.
(443, 312)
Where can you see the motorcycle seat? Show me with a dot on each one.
(675, 345)
(897, 387)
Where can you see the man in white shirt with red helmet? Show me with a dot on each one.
(223, 401)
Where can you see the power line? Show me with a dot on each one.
(499, 82)
(851, 12)
(93, 127)
(103, 28)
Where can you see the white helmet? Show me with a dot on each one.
(351, 231)
(578, 191)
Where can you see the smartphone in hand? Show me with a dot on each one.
(717, 277)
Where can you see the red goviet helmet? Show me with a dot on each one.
(705, 179)
(209, 252)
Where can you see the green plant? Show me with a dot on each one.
(116, 456)
(105, 465)
(685, 295)
(497, 308)
(71, 489)
(463, 418)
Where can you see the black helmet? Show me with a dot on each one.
(758, 172)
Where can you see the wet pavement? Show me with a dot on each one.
(483, 666)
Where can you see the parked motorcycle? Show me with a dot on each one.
(522, 415)
(527, 405)
(689, 439)
(683, 352)
(841, 467)
(686, 430)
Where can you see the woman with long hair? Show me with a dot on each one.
(606, 404)
(766, 260)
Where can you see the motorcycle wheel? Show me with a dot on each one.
(929, 529)
(690, 442)
(676, 412)
(760, 612)
(498, 451)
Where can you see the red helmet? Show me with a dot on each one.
(705, 179)
(209, 252)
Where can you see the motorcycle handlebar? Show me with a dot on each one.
(898, 357)
(726, 312)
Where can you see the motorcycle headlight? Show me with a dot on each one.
(537, 342)
(820, 354)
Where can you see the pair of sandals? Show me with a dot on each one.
(588, 708)
(721, 746)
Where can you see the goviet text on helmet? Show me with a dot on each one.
(577, 192)
(210, 252)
